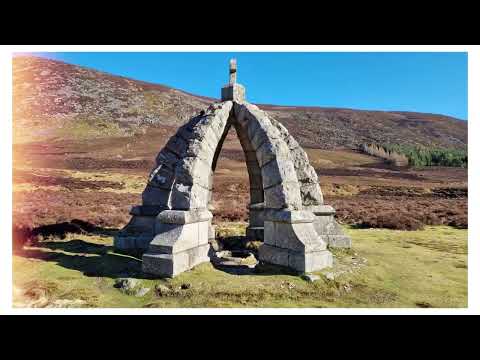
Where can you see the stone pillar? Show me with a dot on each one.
(233, 71)
(233, 91)
(328, 228)
(181, 242)
(291, 241)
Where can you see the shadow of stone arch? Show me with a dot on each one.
(173, 225)
(93, 260)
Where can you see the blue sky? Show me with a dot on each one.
(424, 82)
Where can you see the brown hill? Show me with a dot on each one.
(52, 99)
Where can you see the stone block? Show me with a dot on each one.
(288, 216)
(133, 243)
(278, 171)
(255, 175)
(255, 233)
(136, 235)
(256, 215)
(310, 261)
(181, 232)
(321, 209)
(201, 149)
(284, 195)
(184, 217)
(193, 170)
(185, 197)
(289, 140)
(240, 113)
(170, 265)
(256, 195)
(155, 196)
(166, 158)
(273, 255)
(234, 92)
(147, 210)
(295, 237)
(176, 145)
(305, 172)
(326, 227)
(270, 150)
(311, 194)
(339, 241)
(161, 177)
(269, 235)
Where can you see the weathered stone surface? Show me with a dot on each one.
(289, 140)
(176, 145)
(289, 217)
(256, 214)
(133, 243)
(273, 255)
(284, 195)
(255, 175)
(201, 149)
(193, 170)
(166, 158)
(270, 150)
(255, 233)
(256, 195)
(155, 196)
(186, 197)
(326, 227)
(170, 265)
(278, 171)
(305, 172)
(184, 217)
(161, 177)
(311, 194)
(311, 261)
(321, 209)
(240, 113)
(235, 92)
(300, 237)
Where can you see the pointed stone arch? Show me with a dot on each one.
(172, 225)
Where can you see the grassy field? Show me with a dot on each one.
(385, 268)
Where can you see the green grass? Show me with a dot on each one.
(386, 268)
(90, 127)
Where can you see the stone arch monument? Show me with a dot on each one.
(173, 225)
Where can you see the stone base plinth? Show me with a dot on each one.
(328, 228)
(170, 265)
(136, 236)
(181, 242)
(291, 240)
(299, 261)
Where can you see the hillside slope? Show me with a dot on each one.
(52, 99)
